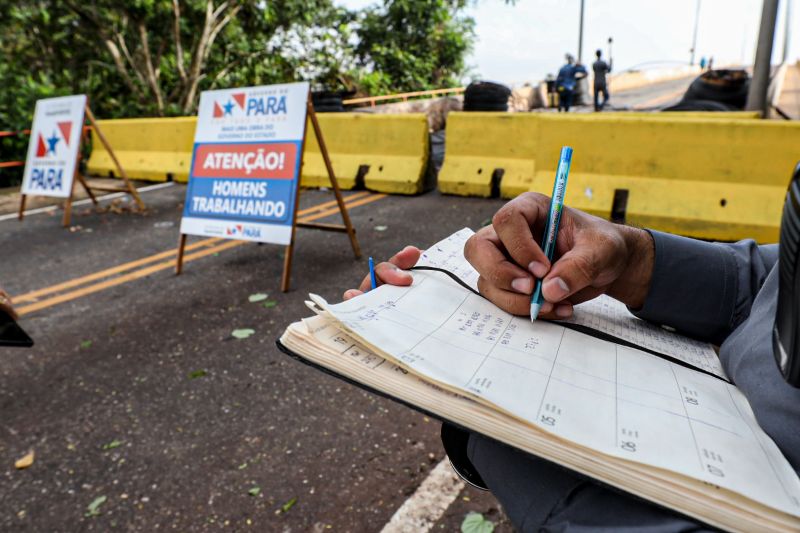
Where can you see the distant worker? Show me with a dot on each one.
(711, 63)
(703, 63)
(566, 81)
(600, 68)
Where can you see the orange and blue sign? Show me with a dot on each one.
(246, 163)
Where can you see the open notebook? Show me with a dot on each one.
(661, 422)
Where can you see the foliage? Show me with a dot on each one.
(153, 57)
(409, 45)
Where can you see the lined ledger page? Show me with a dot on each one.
(617, 400)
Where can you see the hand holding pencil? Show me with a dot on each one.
(591, 256)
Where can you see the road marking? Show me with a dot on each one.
(34, 295)
(137, 274)
(420, 512)
(85, 201)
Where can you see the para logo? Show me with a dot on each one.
(240, 104)
(46, 146)
(239, 230)
(234, 230)
(235, 101)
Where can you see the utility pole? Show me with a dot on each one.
(757, 95)
(580, 36)
(694, 38)
(787, 30)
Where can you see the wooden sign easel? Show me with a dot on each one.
(347, 227)
(78, 177)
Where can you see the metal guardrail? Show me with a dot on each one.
(10, 164)
(371, 100)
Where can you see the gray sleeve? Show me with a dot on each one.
(702, 289)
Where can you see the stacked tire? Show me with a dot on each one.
(716, 90)
(327, 101)
(486, 96)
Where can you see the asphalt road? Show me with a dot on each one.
(651, 97)
(137, 392)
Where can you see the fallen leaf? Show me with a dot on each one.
(242, 333)
(25, 461)
(197, 374)
(381, 228)
(93, 508)
(255, 491)
(257, 297)
(86, 344)
(288, 505)
(270, 303)
(476, 523)
(242, 466)
(113, 444)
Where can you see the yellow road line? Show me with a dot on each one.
(84, 291)
(335, 210)
(34, 295)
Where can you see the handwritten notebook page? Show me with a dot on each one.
(323, 341)
(603, 314)
(617, 400)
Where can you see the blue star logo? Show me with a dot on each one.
(51, 143)
(228, 108)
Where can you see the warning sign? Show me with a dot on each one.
(246, 163)
(53, 148)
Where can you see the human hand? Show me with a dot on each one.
(593, 256)
(5, 304)
(390, 271)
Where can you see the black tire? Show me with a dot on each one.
(486, 96)
(327, 101)
(486, 107)
(725, 86)
(700, 105)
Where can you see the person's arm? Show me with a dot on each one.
(700, 288)
(703, 289)
(610, 64)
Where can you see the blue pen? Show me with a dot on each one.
(553, 218)
(372, 279)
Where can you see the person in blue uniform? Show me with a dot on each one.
(566, 81)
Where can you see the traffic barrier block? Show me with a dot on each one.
(710, 178)
(151, 149)
(390, 152)
(484, 147)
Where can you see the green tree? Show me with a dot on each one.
(411, 45)
(153, 57)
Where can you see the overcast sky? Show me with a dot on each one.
(526, 41)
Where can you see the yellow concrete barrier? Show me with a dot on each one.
(390, 151)
(483, 148)
(152, 149)
(481, 145)
(708, 178)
